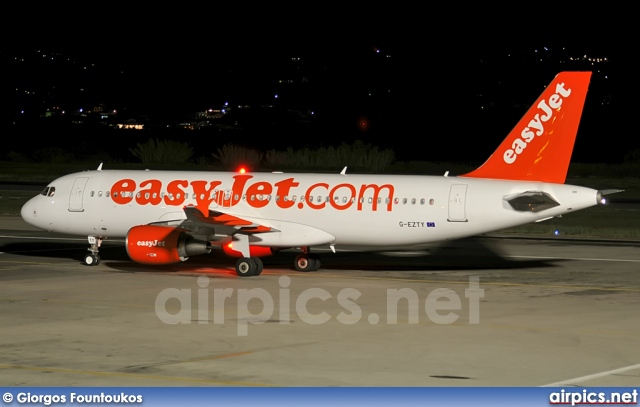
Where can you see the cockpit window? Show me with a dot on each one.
(48, 191)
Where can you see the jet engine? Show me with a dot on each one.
(150, 244)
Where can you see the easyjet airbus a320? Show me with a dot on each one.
(167, 216)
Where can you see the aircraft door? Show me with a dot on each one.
(77, 191)
(457, 203)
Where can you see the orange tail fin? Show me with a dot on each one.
(539, 147)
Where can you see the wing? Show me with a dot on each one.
(246, 231)
(232, 224)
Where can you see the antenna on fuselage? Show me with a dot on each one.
(344, 171)
(100, 167)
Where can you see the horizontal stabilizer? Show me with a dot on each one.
(601, 195)
(610, 191)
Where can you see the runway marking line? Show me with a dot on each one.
(91, 303)
(133, 375)
(568, 382)
(575, 258)
(59, 238)
(43, 238)
(489, 283)
(562, 330)
(192, 360)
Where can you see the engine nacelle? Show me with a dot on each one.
(254, 251)
(163, 245)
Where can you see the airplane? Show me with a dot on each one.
(168, 216)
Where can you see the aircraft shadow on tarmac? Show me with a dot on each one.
(471, 253)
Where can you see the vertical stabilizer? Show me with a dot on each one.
(539, 147)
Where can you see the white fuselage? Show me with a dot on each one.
(301, 209)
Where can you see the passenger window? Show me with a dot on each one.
(92, 193)
(413, 201)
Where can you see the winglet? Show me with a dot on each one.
(539, 147)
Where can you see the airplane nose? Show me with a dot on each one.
(24, 211)
(35, 213)
(28, 211)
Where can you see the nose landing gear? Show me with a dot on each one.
(93, 258)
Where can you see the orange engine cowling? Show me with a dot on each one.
(254, 251)
(163, 245)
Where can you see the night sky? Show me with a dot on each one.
(369, 82)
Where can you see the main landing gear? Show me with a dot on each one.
(249, 266)
(246, 265)
(93, 258)
(307, 261)
(252, 266)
